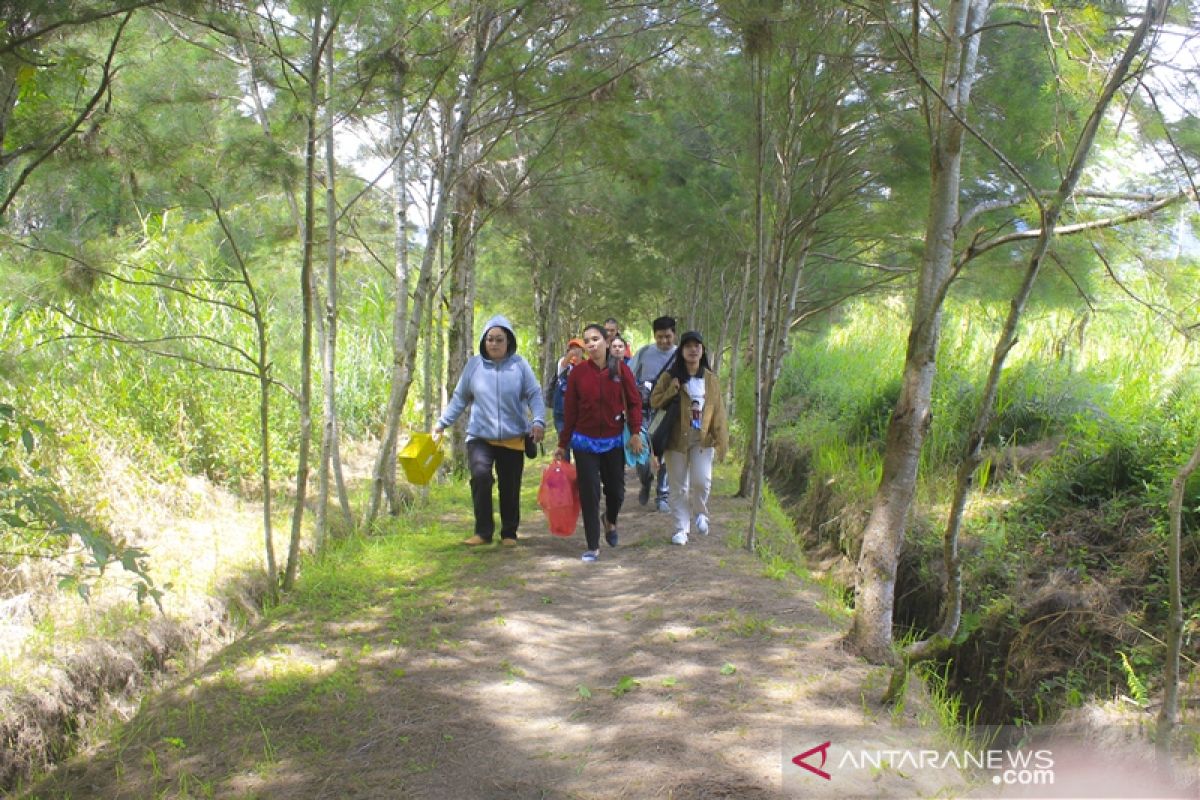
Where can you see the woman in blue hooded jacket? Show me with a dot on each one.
(503, 393)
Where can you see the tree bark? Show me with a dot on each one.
(330, 451)
(463, 227)
(306, 295)
(875, 577)
(1169, 713)
(406, 328)
(934, 646)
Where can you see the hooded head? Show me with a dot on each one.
(498, 321)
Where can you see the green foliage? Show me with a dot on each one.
(33, 522)
(1137, 687)
(1095, 414)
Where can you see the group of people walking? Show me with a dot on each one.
(602, 401)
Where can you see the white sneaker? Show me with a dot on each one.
(702, 524)
(679, 538)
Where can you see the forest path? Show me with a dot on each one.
(660, 671)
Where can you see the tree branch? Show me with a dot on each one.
(1079, 227)
(69, 130)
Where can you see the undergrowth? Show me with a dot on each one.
(1064, 544)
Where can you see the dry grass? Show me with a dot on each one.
(65, 659)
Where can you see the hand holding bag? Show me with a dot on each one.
(559, 497)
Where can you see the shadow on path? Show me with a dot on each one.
(659, 671)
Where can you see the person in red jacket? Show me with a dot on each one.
(601, 392)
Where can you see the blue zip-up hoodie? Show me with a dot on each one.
(499, 392)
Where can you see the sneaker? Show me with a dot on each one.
(590, 555)
(644, 494)
(664, 507)
(610, 536)
(679, 538)
(476, 540)
(702, 524)
(512, 542)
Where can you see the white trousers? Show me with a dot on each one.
(690, 477)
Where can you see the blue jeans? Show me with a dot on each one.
(643, 470)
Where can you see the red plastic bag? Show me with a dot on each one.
(559, 497)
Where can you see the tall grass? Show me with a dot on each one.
(1095, 412)
(1118, 382)
(180, 413)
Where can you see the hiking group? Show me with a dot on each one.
(610, 409)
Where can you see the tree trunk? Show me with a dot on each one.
(330, 452)
(875, 577)
(1168, 714)
(406, 328)
(383, 475)
(549, 324)
(934, 646)
(735, 351)
(306, 293)
(461, 288)
(749, 485)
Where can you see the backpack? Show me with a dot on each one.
(557, 390)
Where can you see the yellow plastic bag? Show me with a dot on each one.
(420, 457)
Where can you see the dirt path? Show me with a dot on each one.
(660, 671)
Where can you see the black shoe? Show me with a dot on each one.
(610, 536)
(644, 494)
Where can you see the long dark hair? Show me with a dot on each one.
(678, 368)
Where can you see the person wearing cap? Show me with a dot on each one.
(573, 355)
(702, 433)
(601, 399)
(647, 365)
(503, 393)
(558, 386)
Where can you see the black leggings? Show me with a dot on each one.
(591, 470)
(509, 465)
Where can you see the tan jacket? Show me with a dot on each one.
(714, 423)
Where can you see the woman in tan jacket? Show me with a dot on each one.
(700, 435)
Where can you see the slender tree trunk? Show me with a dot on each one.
(758, 426)
(549, 323)
(875, 577)
(1169, 713)
(735, 352)
(299, 221)
(306, 293)
(427, 365)
(330, 451)
(382, 475)
(936, 645)
(405, 353)
(463, 227)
